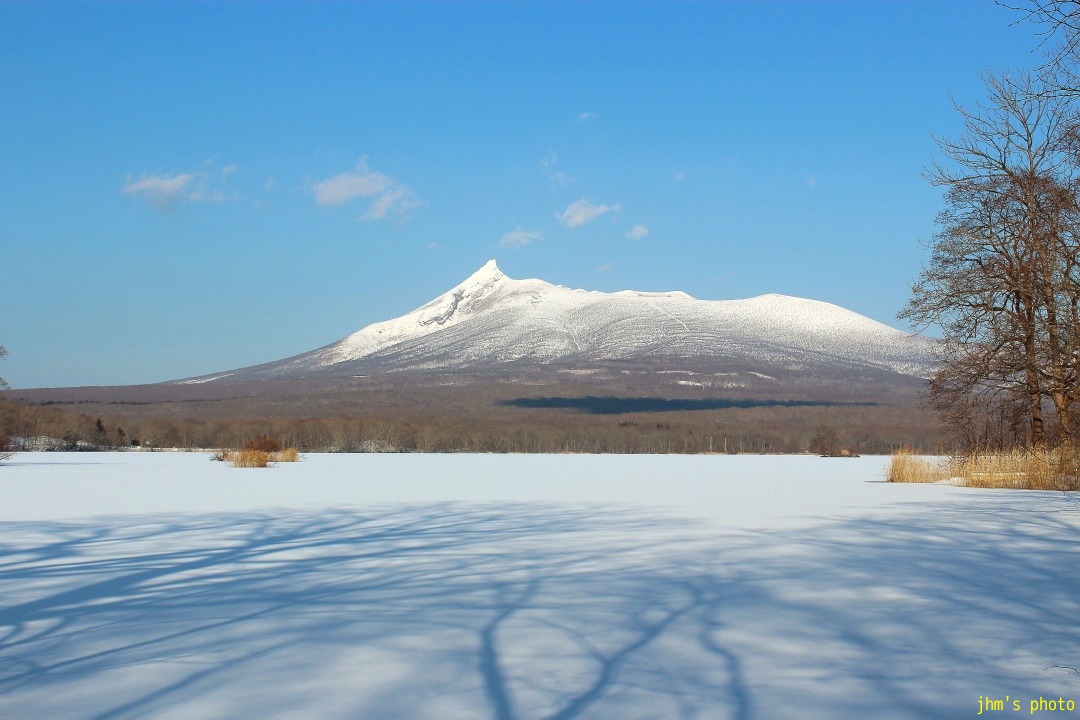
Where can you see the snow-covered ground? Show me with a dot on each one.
(453, 586)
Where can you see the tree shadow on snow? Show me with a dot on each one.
(533, 611)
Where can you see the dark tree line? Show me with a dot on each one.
(757, 430)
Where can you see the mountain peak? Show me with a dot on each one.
(487, 273)
(489, 320)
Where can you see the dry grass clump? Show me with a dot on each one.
(285, 455)
(907, 466)
(1040, 469)
(251, 458)
(1025, 469)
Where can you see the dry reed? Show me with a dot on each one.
(907, 466)
(250, 459)
(1040, 469)
(256, 458)
(285, 455)
(1025, 469)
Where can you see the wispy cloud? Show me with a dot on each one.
(811, 182)
(557, 178)
(583, 211)
(389, 196)
(678, 177)
(165, 191)
(519, 238)
(637, 232)
(606, 267)
(342, 189)
(560, 179)
(587, 116)
(398, 201)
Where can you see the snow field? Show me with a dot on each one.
(459, 586)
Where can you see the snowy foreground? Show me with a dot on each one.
(453, 586)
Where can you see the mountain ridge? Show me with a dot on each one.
(493, 321)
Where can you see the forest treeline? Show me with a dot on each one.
(754, 430)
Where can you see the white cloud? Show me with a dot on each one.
(399, 201)
(203, 195)
(557, 178)
(160, 190)
(582, 211)
(811, 182)
(432, 245)
(166, 191)
(637, 232)
(606, 267)
(341, 189)
(390, 196)
(561, 180)
(679, 176)
(519, 238)
(586, 116)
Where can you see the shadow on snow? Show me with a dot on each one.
(531, 611)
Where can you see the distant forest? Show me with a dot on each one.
(529, 425)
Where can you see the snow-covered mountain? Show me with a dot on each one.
(493, 321)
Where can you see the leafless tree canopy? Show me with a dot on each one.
(1058, 30)
(1057, 19)
(1059, 24)
(1003, 281)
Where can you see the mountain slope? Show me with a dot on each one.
(493, 321)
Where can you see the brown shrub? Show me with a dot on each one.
(1022, 469)
(907, 466)
(286, 455)
(263, 443)
(1039, 469)
(250, 459)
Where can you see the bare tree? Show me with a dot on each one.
(5, 441)
(1059, 29)
(1002, 278)
(826, 442)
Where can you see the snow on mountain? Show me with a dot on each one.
(491, 319)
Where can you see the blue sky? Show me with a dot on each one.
(194, 187)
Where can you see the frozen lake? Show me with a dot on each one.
(163, 585)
